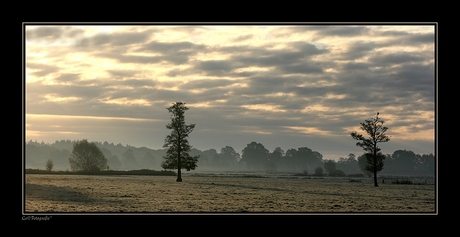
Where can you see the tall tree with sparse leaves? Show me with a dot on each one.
(376, 131)
(177, 156)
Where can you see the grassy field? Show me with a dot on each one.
(205, 193)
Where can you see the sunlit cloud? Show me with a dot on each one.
(127, 102)
(264, 107)
(78, 117)
(254, 129)
(59, 99)
(313, 131)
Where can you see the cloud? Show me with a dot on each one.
(215, 67)
(243, 38)
(51, 34)
(122, 73)
(170, 47)
(282, 85)
(113, 39)
(395, 58)
(40, 69)
(67, 78)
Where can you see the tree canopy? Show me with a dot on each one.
(254, 155)
(87, 157)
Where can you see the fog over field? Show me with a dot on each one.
(282, 85)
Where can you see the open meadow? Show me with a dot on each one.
(211, 193)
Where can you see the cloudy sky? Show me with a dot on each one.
(285, 86)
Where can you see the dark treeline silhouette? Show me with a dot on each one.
(254, 157)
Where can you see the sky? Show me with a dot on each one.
(281, 85)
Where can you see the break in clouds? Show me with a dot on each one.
(287, 85)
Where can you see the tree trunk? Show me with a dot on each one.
(179, 165)
(179, 177)
(375, 168)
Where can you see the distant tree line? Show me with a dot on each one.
(254, 157)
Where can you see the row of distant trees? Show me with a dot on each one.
(253, 157)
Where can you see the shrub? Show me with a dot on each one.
(356, 175)
(337, 173)
(304, 173)
(402, 182)
(49, 165)
(319, 171)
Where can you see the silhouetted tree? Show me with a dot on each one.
(319, 171)
(348, 165)
(255, 155)
(427, 163)
(376, 131)
(87, 157)
(305, 158)
(177, 156)
(276, 160)
(330, 166)
(229, 157)
(374, 163)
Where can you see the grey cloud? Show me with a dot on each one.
(266, 58)
(215, 67)
(339, 30)
(114, 39)
(401, 37)
(272, 59)
(309, 92)
(138, 83)
(358, 50)
(421, 38)
(177, 58)
(243, 38)
(353, 66)
(124, 58)
(122, 73)
(307, 48)
(207, 84)
(415, 78)
(303, 68)
(43, 69)
(176, 52)
(296, 60)
(68, 77)
(85, 92)
(51, 33)
(173, 47)
(396, 58)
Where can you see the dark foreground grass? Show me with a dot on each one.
(105, 172)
